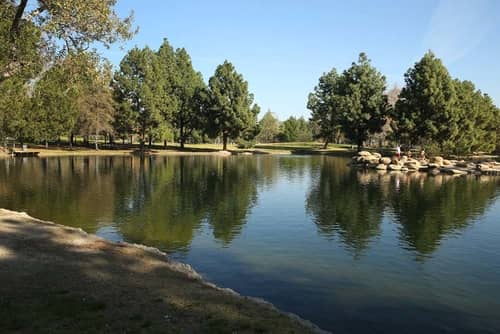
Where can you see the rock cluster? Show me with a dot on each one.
(434, 165)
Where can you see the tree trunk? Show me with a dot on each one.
(360, 145)
(326, 145)
(46, 144)
(224, 141)
(14, 29)
(165, 144)
(123, 141)
(181, 136)
(150, 141)
(71, 141)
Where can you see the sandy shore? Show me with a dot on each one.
(57, 279)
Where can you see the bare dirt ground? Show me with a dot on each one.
(56, 279)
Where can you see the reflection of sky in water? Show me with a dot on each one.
(350, 250)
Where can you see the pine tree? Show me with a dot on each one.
(426, 109)
(230, 111)
(362, 102)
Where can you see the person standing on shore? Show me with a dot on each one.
(398, 152)
(422, 154)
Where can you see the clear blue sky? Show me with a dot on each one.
(283, 46)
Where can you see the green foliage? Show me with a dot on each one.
(269, 128)
(363, 102)
(436, 110)
(14, 121)
(353, 102)
(231, 111)
(324, 104)
(477, 120)
(139, 87)
(187, 92)
(426, 108)
(19, 56)
(295, 129)
(96, 106)
(32, 30)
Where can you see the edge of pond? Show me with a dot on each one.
(81, 240)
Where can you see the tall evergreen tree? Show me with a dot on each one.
(269, 128)
(477, 120)
(137, 84)
(362, 102)
(230, 111)
(324, 104)
(187, 117)
(426, 106)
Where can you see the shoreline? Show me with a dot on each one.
(42, 262)
(435, 165)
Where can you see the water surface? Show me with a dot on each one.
(349, 250)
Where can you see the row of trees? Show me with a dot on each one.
(433, 109)
(291, 130)
(159, 93)
(53, 85)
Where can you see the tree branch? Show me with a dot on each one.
(14, 29)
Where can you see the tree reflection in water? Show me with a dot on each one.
(351, 204)
(164, 201)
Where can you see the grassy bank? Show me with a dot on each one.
(192, 149)
(56, 279)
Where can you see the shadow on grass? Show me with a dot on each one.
(58, 280)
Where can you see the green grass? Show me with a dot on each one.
(304, 147)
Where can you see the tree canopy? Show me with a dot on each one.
(231, 108)
(353, 101)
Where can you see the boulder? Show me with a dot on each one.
(381, 167)
(364, 153)
(412, 164)
(377, 155)
(433, 165)
(447, 162)
(394, 167)
(404, 169)
(462, 163)
(453, 171)
(437, 160)
(385, 160)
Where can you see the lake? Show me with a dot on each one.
(350, 250)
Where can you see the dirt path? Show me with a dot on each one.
(55, 279)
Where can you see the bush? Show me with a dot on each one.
(244, 144)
